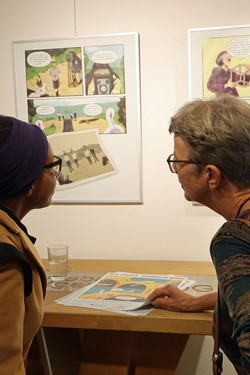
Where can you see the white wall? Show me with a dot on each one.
(164, 226)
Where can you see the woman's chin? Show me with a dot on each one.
(187, 197)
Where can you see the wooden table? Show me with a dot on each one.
(91, 342)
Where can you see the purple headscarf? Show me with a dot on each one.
(22, 158)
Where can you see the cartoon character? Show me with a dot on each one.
(55, 75)
(223, 79)
(112, 128)
(102, 80)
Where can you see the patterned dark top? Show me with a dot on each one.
(230, 251)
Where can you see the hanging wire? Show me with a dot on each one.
(75, 28)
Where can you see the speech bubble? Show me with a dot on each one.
(104, 57)
(239, 47)
(45, 110)
(92, 109)
(39, 59)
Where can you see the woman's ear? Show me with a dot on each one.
(30, 191)
(214, 176)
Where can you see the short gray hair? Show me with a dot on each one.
(217, 131)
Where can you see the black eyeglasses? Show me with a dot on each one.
(56, 165)
(173, 163)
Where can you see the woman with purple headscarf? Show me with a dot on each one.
(28, 174)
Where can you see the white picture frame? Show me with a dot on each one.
(101, 107)
(205, 45)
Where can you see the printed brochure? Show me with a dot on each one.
(122, 292)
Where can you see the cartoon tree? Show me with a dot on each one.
(122, 111)
(31, 110)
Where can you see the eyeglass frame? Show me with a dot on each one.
(169, 161)
(56, 162)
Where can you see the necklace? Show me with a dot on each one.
(242, 204)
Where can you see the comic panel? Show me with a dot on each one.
(84, 158)
(104, 70)
(226, 66)
(107, 114)
(54, 72)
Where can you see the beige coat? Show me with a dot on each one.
(20, 317)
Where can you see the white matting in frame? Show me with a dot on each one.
(85, 94)
(206, 47)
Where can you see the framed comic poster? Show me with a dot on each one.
(219, 62)
(84, 93)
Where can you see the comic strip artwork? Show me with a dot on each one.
(84, 158)
(54, 75)
(122, 292)
(84, 95)
(104, 70)
(226, 66)
(58, 73)
(107, 114)
(54, 72)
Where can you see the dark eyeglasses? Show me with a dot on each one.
(56, 165)
(173, 163)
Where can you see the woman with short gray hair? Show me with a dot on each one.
(212, 161)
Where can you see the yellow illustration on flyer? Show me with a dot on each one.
(121, 291)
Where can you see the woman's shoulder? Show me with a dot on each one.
(237, 229)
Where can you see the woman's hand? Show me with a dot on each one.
(173, 299)
(231, 84)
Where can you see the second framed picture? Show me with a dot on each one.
(219, 62)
